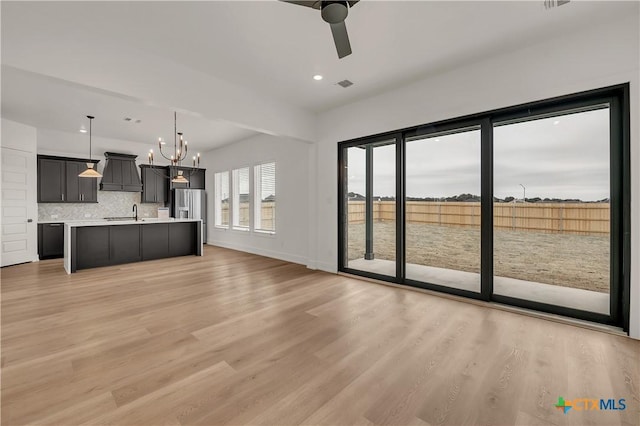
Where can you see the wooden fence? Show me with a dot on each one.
(267, 214)
(570, 218)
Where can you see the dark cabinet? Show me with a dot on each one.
(194, 176)
(197, 179)
(79, 189)
(155, 184)
(58, 181)
(50, 240)
(182, 238)
(94, 246)
(51, 180)
(125, 244)
(155, 241)
(91, 247)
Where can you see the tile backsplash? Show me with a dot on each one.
(110, 203)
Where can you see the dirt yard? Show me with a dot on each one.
(568, 260)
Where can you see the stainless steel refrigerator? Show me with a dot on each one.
(191, 204)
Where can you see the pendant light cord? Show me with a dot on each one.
(90, 117)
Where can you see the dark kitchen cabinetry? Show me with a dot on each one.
(51, 180)
(125, 243)
(91, 246)
(196, 181)
(155, 184)
(80, 189)
(194, 176)
(182, 239)
(155, 241)
(50, 240)
(58, 181)
(94, 246)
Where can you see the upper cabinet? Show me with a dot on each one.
(58, 181)
(120, 173)
(193, 175)
(51, 180)
(80, 189)
(155, 184)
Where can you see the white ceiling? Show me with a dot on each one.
(268, 49)
(55, 104)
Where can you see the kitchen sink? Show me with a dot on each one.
(119, 218)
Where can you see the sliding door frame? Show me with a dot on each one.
(343, 210)
(617, 98)
(446, 128)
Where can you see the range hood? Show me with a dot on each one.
(120, 173)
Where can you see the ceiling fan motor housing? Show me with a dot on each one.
(334, 12)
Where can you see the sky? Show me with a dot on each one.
(556, 157)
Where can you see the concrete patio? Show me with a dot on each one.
(575, 298)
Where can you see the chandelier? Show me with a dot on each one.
(178, 155)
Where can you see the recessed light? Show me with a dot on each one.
(556, 122)
(83, 130)
(317, 77)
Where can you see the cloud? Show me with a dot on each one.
(556, 157)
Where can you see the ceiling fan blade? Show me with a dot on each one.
(341, 39)
(314, 4)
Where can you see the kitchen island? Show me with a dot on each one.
(91, 244)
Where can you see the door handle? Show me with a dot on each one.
(29, 220)
(62, 197)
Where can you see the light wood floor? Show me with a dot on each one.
(233, 338)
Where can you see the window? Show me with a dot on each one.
(221, 199)
(240, 205)
(555, 172)
(442, 206)
(265, 197)
(526, 205)
(371, 203)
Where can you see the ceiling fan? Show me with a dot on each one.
(334, 13)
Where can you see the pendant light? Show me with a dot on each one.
(90, 172)
(179, 178)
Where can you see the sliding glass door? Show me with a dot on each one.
(442, 209)
(370, 207)
(552, 209)
(527, 206)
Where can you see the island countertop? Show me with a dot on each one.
(101, 242)
(140, 221)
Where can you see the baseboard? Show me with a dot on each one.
(261, 252)
(326, 267)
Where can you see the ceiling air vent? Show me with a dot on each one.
(548, 4)
(344, 83)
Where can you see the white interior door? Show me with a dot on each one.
(19, 208)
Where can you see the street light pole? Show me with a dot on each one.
(524, 193)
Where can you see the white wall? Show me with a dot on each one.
(290, 241)
(600, 56)
(18, 136)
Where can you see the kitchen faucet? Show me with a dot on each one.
(135, 209)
